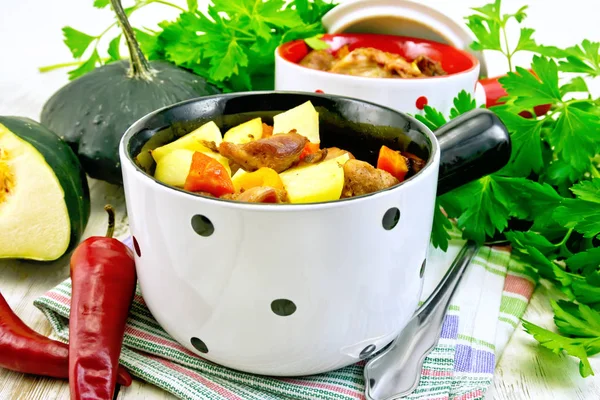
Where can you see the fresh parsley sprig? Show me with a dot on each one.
(231, 45)
(546, 201)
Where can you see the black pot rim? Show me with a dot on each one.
(137, 127)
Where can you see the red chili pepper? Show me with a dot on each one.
(393, 162)
(24, 350)
(103, 279)
(209, 176)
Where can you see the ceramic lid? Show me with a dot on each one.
(402, 18)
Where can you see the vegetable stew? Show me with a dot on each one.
(280, 163)
(371, 62)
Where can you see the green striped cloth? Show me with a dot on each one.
(483, 315)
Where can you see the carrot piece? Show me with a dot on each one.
(267, 131)
(310, 148)
(393, 162)
(208, 175)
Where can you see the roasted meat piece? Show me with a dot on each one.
(365, 62)
(318, 59)
(316, 157)
(370, 62)
(362, 178)
(211, 145)
(429, 67)
(260, 194)
(415, 164)
(278, 152)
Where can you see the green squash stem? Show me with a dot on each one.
(140, 68)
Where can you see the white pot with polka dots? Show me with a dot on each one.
(409, 95)
(288, 290)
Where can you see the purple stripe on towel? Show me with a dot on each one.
(450, 327)
(468, 359)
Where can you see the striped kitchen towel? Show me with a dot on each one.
(483, 315)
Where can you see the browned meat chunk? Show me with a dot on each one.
(365, 62)
(260, 194)
(415, 164)
(429, 67)
(362, 178)
(316, 157)
(267, 131)
(278, 152)
(210, 145)
(318, 59)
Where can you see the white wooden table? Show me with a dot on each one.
(30, 38)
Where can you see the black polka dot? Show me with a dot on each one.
(422, 272)
(367, 351)
(199, 345)
(283, 307)
(202, 225)
(391, 218)
(372, 382)
(136, 246)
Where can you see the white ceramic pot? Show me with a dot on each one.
(406, 95)
(287, 289)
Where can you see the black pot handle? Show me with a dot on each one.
(472, 145)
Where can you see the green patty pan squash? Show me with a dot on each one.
(93, 112)
(44, 194)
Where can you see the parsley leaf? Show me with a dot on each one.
(316, 43)
(526, 140)
(432, 118)
(311, 12)
(86, 67)
(588, 190)
(441, 226)
(522, 240)
(463, 102)
(576, 136)
(583, 216)
(113, 49)
(192, 5)
(77, 41)
(484, 208)
(530, 90)
(233, 45)
(585, 292)
(561, 173)
(576, 84)
(586, 261)
(576, 319)
(101, 3)
(584, 58)
(545, 267)
(526, 41)
(558, 343)
(487, 32)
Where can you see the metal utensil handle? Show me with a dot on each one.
(442, 294)
(400, 372)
